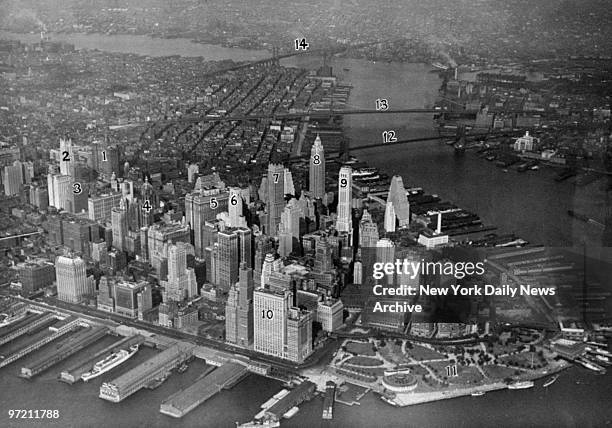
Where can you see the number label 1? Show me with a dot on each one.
(76, 188)
(301, 44)
(382, 104)
(389, 137)
(104, 156)
(269, 314)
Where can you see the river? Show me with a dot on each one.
(532, 205)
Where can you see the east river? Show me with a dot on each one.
(530, 204)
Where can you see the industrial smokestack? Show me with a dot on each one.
(439, 228)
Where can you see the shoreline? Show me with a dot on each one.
(411, 399)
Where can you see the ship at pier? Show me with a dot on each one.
(110, 362)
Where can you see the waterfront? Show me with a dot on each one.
(501, 199)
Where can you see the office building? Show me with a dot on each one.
(239, 310)
(317, 169)
(99, 208)
(13, 179)
(73, 285)
(228, 259)
(119, 225)
(344, 222)
(276, 197)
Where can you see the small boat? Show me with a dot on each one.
(478, 393)
(550, 381)
(182, 368)
(521, 385)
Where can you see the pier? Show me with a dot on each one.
(73, 373)
(26, 325)
(303, 392)
(61, 330)
(79, 342)
(182, 402)
(156, 367)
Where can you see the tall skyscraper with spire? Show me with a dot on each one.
(276, 196)
(345, 184)
(317, 169)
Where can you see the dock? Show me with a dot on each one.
(26, 325)
(57, 333)
(303, 392)
(154, 368)
(81, 340)
(73, 373)
(182, 402)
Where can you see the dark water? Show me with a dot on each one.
(531, 205)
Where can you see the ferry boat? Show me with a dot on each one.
(478, 393)
(521, 385)
(550, 381)
(110, 362)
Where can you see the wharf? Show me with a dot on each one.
(57, 333)
(299, 394)
(26, 325)
(154, 368)
(73, 373)
(182, 402)
(81, 340)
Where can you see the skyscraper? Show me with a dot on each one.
(276, 196)
(119, 225)
(181, 281)
(72, 282)
(203, 205)
(239, 310)
(270, 312)
(246, 245)
(345, 184)
(66, 157)
(317, 169)
(401, 207)
(60, 189)
(299, 335)
(389, 217)
(13, 178)
(229, 259)
(289, 229)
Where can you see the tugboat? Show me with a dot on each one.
(478, 393)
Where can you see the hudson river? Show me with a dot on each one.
(531, 205)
